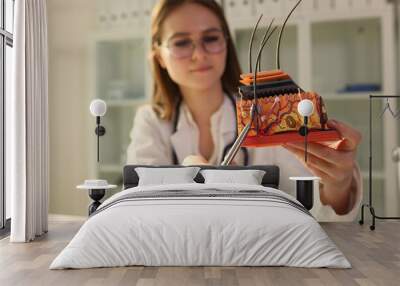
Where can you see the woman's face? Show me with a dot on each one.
(200, 67)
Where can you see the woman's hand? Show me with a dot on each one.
(194, 160)
(199, 160)
(333, 165)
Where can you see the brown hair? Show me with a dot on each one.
(166, 93)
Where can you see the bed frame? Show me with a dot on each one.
(270, 179)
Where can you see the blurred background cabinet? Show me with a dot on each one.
(343, 49)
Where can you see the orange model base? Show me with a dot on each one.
(292, 136)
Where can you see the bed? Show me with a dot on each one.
(201, 224)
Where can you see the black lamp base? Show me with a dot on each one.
(305, 193)
(305, 190)
(96, 195)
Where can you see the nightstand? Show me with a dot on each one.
(97, 190)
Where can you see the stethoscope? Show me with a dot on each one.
(226, 148)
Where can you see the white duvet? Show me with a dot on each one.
(183, 231)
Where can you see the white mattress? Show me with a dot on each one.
(202, 231)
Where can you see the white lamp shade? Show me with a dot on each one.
(305, 107)
(98, 107)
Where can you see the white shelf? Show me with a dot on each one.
(314, 10)
(348, 95)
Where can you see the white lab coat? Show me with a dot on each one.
(152, 142)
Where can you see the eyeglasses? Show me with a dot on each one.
(182, 47)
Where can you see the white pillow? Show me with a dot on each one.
(249, 177)
(163, 176)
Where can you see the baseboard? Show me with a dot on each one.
(5, 231)
(66, 218)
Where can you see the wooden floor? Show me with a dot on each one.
(375, 256)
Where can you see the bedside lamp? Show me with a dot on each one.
(305, 185)
(97, 188)
(98, 109)
(305, 109)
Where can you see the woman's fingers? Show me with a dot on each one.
(335, 157)
(314, 163)
(351, 136)
(194, 160)
(333, 165)
(325, 178)
(325, 173)
(329, 173)
(314, 149)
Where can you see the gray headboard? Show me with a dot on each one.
(270, 179)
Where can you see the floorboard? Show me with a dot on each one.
(374, 255)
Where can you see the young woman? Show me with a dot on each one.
(191, 119)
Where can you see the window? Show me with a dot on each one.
(6, 60)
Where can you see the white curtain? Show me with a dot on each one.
(27, 134)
